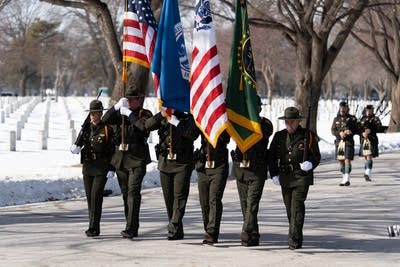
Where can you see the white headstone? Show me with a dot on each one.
(13, 141)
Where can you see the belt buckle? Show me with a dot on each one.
(171, 156)
(244, 164)
(123, 147)
(210, 164)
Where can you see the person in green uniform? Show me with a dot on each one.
(96, 147)
(369, 125)
(344, 127)
(212, 173)
(132, 155)
(290, 169)
(174, 152)
(250, 170)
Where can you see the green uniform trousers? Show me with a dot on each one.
(294, 198)
(130, 182)
(211, 190)
(175, 187)
(250, 192)
(94, 187)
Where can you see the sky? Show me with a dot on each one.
(31, 174)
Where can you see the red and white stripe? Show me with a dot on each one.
(139, 40)
(207, 100)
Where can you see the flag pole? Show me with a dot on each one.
(123, 146)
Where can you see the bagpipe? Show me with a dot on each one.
(340, 155)
(366, 147)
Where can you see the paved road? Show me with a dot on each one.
(345, 226)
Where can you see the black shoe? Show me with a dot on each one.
(175, 231)
(251, 243)
(294, 245)
(128, 234)
(366, 176)
(244, 237)
(209, 239)
(177, 236)
(347, 183)
(92, 232)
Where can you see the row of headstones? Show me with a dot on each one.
(9, 105)
(44, 132)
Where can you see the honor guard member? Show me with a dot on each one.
(97, 149)
(175, 162)
(250, 170)
(132, 154)
(344, 127)
(369, 126)
(289, 170)
(212, 171)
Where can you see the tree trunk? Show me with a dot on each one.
(138, 78)
(22, 84)
(42, 89)
(394, 124)
(269, 77)
(304, 83)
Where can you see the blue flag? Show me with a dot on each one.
(170, 65)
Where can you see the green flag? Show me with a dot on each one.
(241, 96)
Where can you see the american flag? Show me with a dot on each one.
(207, 101)
(140, 31)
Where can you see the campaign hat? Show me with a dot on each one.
(291, 113)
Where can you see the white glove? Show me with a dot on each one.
(275, 179)
(174, 120)
(306, 166)
(125, 111)
(75, 149)
(123, 102)
(110, 174)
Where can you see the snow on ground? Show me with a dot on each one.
(32, 174)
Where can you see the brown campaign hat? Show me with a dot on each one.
(131, 92)
(95, 105)
(291, 113)
(369, 107)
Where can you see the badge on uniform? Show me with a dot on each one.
(210, 164)
(244, 164)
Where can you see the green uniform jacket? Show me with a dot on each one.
(218, 155)
(257, 155)
(97, 149)
(286, 153)
(174, 140)
(136, 135)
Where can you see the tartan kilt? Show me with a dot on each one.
(348, 151)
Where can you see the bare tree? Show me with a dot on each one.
(22, 43)
(379, 31)
(137, 75)
(308, 25)
(269, 76)
(3, 3)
